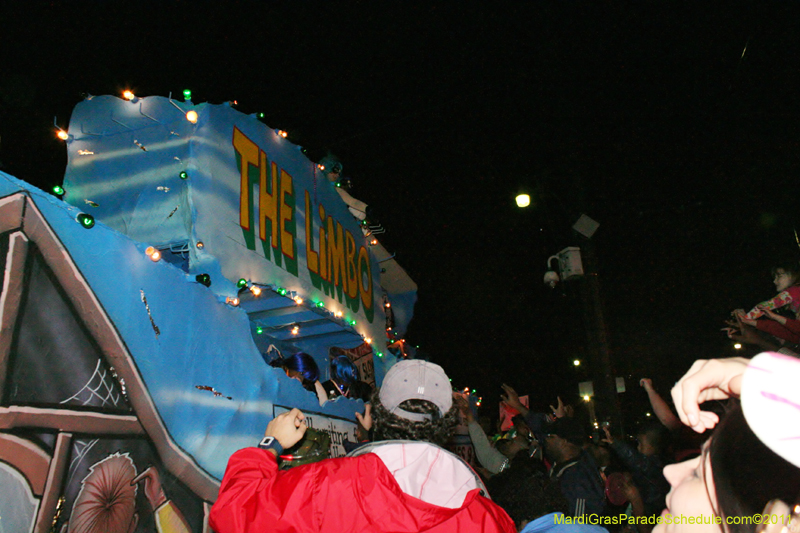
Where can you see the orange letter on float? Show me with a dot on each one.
(336, 253)
(312, 257)
(248, 153)
(287, 214)
(352, 272)
(268, 201)
(363, 266)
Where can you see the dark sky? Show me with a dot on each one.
(646, 116)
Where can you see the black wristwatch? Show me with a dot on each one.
(271, 443)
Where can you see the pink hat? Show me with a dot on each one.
(416, 380)
(771, 403)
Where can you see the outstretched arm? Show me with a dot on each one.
(488, 456)
(784, 298)
(511, 397)
(660, 407)
(254, 495)
(740, 332)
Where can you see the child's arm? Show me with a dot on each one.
(784, 298)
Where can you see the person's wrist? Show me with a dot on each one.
(271, 444)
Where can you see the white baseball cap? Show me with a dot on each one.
(416, 380)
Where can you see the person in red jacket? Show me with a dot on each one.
(404, 485)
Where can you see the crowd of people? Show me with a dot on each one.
(733, 468)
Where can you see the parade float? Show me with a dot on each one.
(141, 306)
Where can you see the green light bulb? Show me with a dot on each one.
(261, 115)
(320, 304)
(187, 94)
(259, 330)
(87, 221)
(474, 391)
(58, 190)
(242, 283)
(184, 175)
(282, 291)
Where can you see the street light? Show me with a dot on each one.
(523, 200)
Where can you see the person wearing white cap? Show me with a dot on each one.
(406, 484)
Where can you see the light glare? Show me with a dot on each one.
(523, 200)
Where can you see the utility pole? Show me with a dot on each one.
(601, 366)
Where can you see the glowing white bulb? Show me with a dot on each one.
(586, 398)
(200, 244)
(191, 116)
(283, 134)
(368, 340)
(298, 300)
(295, 330)
(232, 301)
(153, 253)
(523, 200)
(576, 362)
(255, 290)
(128, 95)
(321, 167)
(63, 135)
(737, 346)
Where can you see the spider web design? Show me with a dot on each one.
(101, 390)
(80, 449)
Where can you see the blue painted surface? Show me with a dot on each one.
(202, 340)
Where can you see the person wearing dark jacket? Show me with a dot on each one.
(575, 468)
(645, 465)
(563, 441)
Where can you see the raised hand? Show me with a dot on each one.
(288, 428)
(559, 411)
(713, 379)
(366, 419)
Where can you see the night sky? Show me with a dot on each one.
(673, 124)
